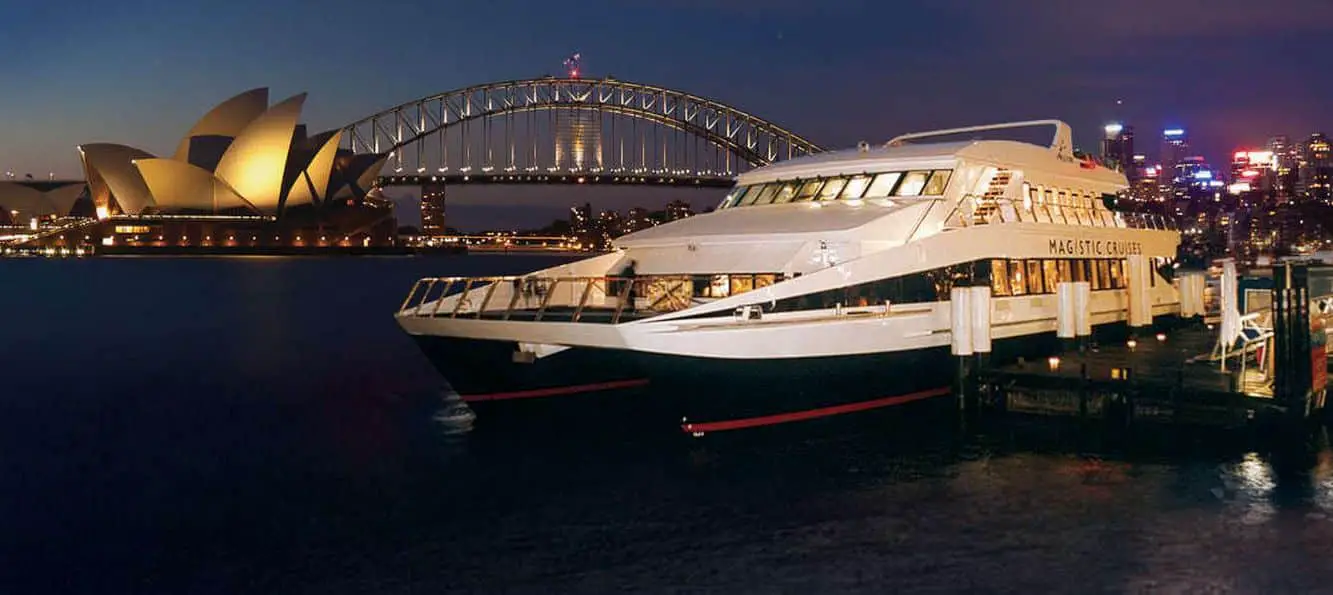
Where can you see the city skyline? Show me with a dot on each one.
(154, 65)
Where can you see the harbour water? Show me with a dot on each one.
(258, 425)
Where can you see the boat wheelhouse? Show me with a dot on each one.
(819, 286)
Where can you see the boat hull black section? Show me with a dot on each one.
(728, 394)
(703, 395)
(581, 386)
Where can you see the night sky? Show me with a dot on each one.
(139, 72)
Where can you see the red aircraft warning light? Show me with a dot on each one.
(572, 64)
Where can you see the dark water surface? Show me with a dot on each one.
(249, 426)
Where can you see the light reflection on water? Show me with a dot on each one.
(250, 425)
(1248, 485)
(1323, 474)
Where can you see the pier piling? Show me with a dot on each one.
(1065, 324)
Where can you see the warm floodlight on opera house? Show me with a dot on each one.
(247, 175)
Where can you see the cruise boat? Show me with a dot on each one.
(819, 286)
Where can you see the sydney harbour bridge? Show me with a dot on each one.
(552, 131)
(569, 130)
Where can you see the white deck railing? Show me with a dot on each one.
(534, 298)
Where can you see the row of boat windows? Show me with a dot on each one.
(859, 187)
(720, 286)
(1006, 278)
(1072, 207)
(1042, 276)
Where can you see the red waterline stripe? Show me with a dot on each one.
(556, 391)
(781, 418)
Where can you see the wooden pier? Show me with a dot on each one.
(1274, 376)
(1156, 376)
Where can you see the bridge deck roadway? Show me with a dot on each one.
(557, 179)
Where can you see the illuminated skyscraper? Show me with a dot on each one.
(1252, 174)
(432, 210)
(1145, 188)
(1316, 177)
(582, 225)
(1175, 147)
(1286, 165)
(580, 218)
(638, 218)
(1118, 148)
(1285, 154)
(678, 209)
(578, 139)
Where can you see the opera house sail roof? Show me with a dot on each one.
(20, 203)
(241, 158)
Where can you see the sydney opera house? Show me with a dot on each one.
(247, 177)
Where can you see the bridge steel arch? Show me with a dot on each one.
(750, 139)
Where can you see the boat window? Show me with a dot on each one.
(856, 186)
(1034, 276)
(1039, 209)
(1048, 199)
(1051, 273)
(939, 179)
(1117, 276)
(1080, 270)
(738, 198)
(883, 185)
(732, 196)
(1072, 213)
(720, 286)
(1032, 198)
(1064, 271)
(913, 183)
(741, 284)
(808, 190)
(751, 194)
(711, 286)
(764, 197)
(762, 281)
(1104, 274)
(785, 194)
(999, 277)
(832, 188)
(1017, 285)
